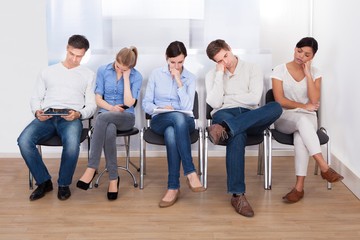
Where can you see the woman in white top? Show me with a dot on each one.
(296, 86)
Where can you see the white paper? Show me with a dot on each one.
(187, 113)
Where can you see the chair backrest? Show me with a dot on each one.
(208, 111)
(269, 96)
(195, 108)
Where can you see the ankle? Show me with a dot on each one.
(324, 169)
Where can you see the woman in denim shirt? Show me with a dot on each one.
(117, 90)
(173, 87)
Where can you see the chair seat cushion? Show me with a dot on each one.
(56, 140)
(153, 138)
(288, 139)
(131, 132)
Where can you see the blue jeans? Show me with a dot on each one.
(243, 121)
(176, 129)
(38, 131)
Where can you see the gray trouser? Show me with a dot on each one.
(306, 142)
(104, 136)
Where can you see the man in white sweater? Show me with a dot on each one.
(234, 90)
(64, 95)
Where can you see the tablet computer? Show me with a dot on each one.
(59, 112)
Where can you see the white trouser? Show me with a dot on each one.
(306, 142)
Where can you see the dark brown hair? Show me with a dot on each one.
(215, 46)
(308, 42)
(175, 49)
(79, 42)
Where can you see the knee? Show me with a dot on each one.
(71, 139)
(169, 135)
(25, 140)
(180, 120)
(304, 122)
(276, 108)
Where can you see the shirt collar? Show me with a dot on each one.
(237, 69)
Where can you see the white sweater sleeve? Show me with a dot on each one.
(214, 88)
(38, 94)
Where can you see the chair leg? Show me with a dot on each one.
(98, 179)
(328, 153)
(142, 156)
(265, 159)
(269, 160)
(200, 156)
(127, 150)
(328, 157)
(206, 144)
(260, 169)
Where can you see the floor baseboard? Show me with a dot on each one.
(351, 180)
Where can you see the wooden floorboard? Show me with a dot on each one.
(322, 214)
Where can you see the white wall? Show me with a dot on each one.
(23, 53)
(336, 27)
(283, 23)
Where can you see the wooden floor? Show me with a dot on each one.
(322, 214)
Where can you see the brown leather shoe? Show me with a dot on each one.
(217, 132)
(195, 189)
(242, 206)
(293, 196)
(331, 176)
(164, 204)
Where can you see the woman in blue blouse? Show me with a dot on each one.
(173, 87)
(117, 90)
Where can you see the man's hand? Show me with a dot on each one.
(72, 115)
(220, 67)
(41, 117)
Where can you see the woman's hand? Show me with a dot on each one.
(168, 107)
(307, 68)
(116, 108)
(126, 74)
(176, 74)
(311, 106)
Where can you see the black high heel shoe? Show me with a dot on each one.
(83, 185)
(114, 195)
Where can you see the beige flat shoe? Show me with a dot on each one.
(164, 204)
(195, 189)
